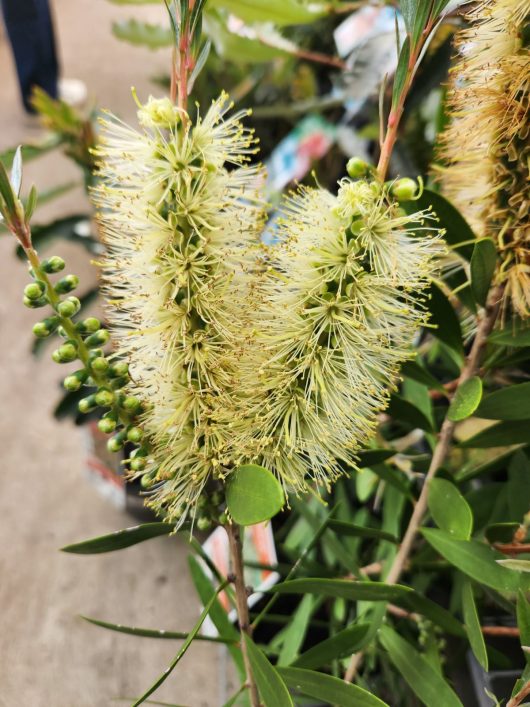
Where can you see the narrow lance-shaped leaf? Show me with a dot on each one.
(155, 633)
(187, 643)
(474, 632)
(523, 622)
(272, 688)
(500, 435)
(510, 403)
(341, 645)
(120, 539)
(482, 267)
(423, 679)
(328, 689)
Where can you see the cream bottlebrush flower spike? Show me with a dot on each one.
(340, 312)
(487, 146)
(180, 229)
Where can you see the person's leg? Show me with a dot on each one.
(30, 30)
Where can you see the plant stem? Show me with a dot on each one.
(441, 451)
(396, 112)
(236, 552)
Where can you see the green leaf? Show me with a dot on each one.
(408, 10)
(218, 615)
(156, 633)
(359, 531)
(272, 688)
(514, 335)
(515, 565)
(369, 457)
(413, 370)
(457, 229)
(444, 317)
(253, 494)
(279, 12)
(523, 620)
(518, 487)
(482, 267)
(408, 414)
(418, 603)
(422, 678)
(450, 510)
(395, 478)
(143, 34)
(500, 435)
(328, 689)
(187, 643)
(6, 191)
(474, 559)
(294, 634)
(466, 400)
(346, 589)
(237, 49)
(120, 539)
(498, 463)
(401, 72)
(472, 622)
(511, 403)
(341, 645)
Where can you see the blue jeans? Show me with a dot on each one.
(30, 30)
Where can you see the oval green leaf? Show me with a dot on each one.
(120, 539)
(511, 403)
(253, 494)
(423, 679)
(482, 267)
(272, 688)
(450, 510)
(466, 400)
(329, 690)
(472, 623)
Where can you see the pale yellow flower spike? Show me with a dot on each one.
(334, 328)
(180, 230)
(487, 146)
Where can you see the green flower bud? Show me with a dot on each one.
(98, 339)
(35, 303)
(87, 404)
(74, 381)
(95, 353)
(68, 307)
(34, 290)
(223, 519)
(204, 523)
(40, 330)
(66, 284)
(104, 397)
(99, 364)
(91, 324)
(65, 353)
(405, 189)
(119, 369)
(53, 264)
(107, 425)
(147, 480)
(135, 435)
(132, 404)
(116, 443)
(138, 464)
(356, 167)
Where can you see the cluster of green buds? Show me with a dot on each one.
(84, 341)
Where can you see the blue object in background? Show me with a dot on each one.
(30, 30)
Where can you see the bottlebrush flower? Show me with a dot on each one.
(340, 310)
(487, 147)
(180, 229)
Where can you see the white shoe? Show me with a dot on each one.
(73, 92)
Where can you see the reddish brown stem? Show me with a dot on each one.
(236, 553)
(519, 697)
(515, 549)
(500, 631)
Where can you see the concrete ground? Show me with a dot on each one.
(48, 656)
